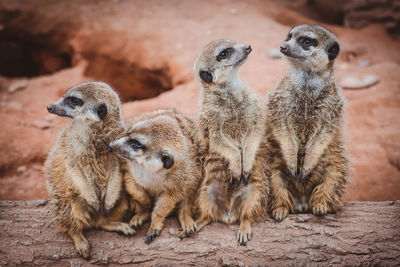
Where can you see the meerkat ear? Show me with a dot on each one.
(167, 160)
(206, 76)
(102, 111)
(333, 50)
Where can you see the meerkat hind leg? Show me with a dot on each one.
(185, 219)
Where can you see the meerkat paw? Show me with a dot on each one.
(245, 177)
(189, 226)
(244, 233)
(82, 247)
(107, 211)
(236, 180)
(126, 229)
(138, 219)
(279, 214)
(293, 171)
(151, 235)
(319, 209)
(120, 227)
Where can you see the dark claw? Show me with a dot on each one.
(150, 238)
(304, 176)
(245, 178)
(319, 213)
(107, 212)
(243, 243)
(133, 227)
(278, 219)
(96, 209)
(236, 181)
(294, 174)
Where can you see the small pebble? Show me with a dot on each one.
(363, 63)
(274, 53)
(14, 105)
(19, 85)
(351, 82)
(233, 11)
(21, 170)
(41, 124)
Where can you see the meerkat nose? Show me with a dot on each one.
(50, 108)
(247, 48)
(284, 48)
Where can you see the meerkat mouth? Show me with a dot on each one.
(241, 61)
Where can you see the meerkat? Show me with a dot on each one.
(230, 127)
(162, 154)
(308, 163)
(85, 181)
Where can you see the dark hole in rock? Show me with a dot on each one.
(24, 58)
(130, 80)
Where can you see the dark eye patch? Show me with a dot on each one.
(224, 54)
(289, 37)
(73, 102)
(307, 42)
(136, 144)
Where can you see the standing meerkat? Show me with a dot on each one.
(309, 166)
(162, 154)
(230, 127)
(85, 180)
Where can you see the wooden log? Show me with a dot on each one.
(362, 233)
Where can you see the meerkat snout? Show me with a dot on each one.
(313, 46)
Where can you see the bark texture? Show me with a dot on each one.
(362, 233)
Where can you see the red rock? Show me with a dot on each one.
(144, 48)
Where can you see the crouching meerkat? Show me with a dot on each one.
(85, 180)
(162, 154)
(230, 127)
(309, 166)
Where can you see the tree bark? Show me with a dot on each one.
(362, 233)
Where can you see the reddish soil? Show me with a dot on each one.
(146, 51)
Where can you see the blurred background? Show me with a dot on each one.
(146, 50)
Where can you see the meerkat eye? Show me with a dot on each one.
(224, 54)
(289, 37)
(73, 101)
(135, 144)
(307, 41)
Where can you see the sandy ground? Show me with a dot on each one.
(144, 48)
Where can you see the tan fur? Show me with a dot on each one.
(85, 181)
(163, 135)
(307, 161)
(230, 127)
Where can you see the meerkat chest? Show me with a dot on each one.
(148, 178)
(304, 116)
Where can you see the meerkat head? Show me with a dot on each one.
(155, 144)
(90, 101)
(310, 47)
(219, 61)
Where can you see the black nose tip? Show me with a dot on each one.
(50, 108)
(284, 48)
(110, 148)
(247, 48)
